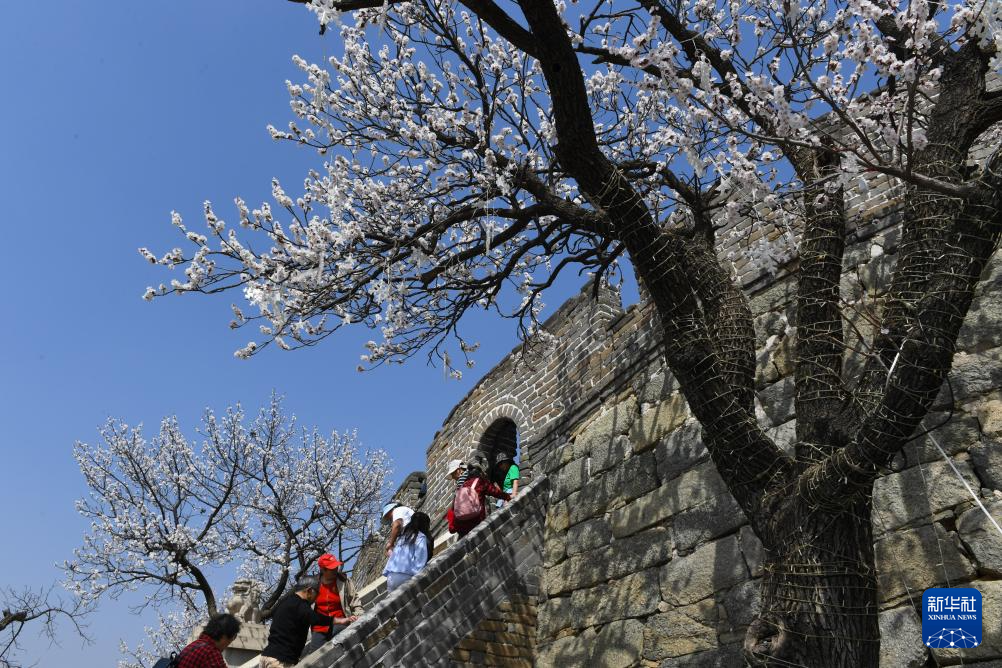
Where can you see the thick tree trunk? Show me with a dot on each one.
(819, 590)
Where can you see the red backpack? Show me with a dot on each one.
(468, 505)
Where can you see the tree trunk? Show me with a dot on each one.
(819, 589)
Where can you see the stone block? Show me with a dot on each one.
(636, 595)
(875, 275)
(784, 435)
(616, 487)
(653, 386)
(766, 372)
(973, 374)
(982, 538)
(555, 615)
(991, 625)
(712, 567)
(708, 520)
(554, 550)
(607, 455)
(673, 634)
(752, 549)
(900, 634)
(600, 430)
(569, 478)
(618, 645)
(567, 651)
(629, 480)
(987, 460)
(774, 297)
(680, 450)
(983, 325)
(686, 491)
(622, 557)
(558, 517)
(912, 558)
(989, 416)
(919, 492)
(776, 401)
(955, 433)
(726, 656)
(588, 535)
(742, 604)
(657, 420)
(769, 324)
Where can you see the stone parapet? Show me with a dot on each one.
(422, 622)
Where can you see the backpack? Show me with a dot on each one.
(168, 662)
(468, 505)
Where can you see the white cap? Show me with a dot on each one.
(453, 466)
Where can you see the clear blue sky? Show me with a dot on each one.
(113, 114)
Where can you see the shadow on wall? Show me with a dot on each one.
(647, 554)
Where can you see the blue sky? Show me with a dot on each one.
(113, 114)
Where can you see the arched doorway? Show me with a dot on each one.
(499, 441)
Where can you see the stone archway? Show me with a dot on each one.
(500, 439)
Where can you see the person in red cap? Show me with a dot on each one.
(336, 599)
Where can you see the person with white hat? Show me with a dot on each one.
(457, 471)
(398, 515)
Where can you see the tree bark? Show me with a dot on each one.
(819, 589)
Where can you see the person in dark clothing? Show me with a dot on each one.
(290, 625)
(207, 650)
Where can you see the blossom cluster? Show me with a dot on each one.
(437, 190)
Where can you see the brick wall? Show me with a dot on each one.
(506, 637)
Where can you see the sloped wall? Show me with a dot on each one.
(420, 623)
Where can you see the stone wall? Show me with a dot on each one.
(650, 561)
(421, 622)
(506, 637)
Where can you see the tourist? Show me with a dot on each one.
(398, 515)
(207, 650)
(290, 624)
(412, 551)
(336, 599)
(457, 472)
(469, 507)
(507, 473)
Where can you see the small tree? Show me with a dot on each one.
(472, 146)
(263, 496)
(43, 608)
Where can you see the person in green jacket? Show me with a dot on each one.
(507, 473)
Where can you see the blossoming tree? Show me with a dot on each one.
(263, 495)
(473, 146)
(44, 608)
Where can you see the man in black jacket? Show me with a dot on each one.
(290, 625)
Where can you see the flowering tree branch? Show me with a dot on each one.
(167, 512)
(21, 607)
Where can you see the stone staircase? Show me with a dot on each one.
(459, 596)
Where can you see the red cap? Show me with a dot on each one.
(328, 561)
